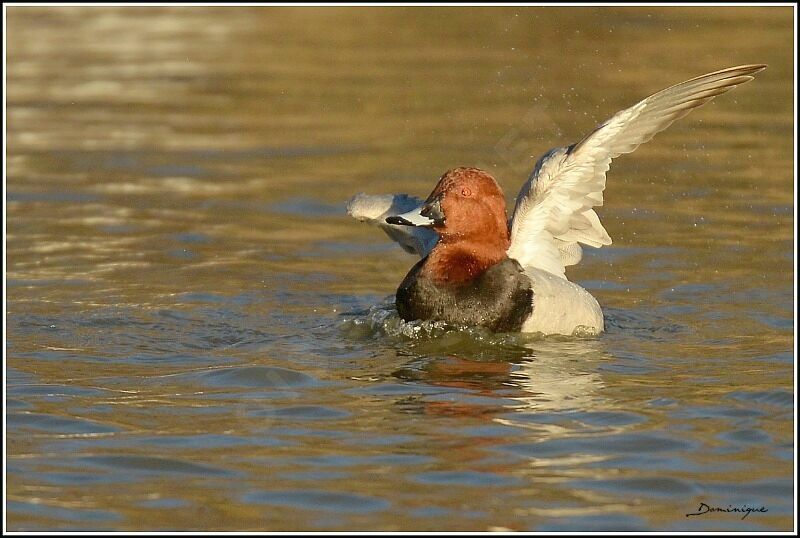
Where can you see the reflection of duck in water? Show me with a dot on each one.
(542, 376)
(478, 268)
(556, 384)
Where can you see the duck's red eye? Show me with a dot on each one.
(466, 192)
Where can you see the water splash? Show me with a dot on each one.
(382, 320)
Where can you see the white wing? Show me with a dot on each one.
(375, 208)
(553, 213)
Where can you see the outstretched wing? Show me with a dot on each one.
(553, 214)
(375, 208)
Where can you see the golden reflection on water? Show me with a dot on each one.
(187, 340)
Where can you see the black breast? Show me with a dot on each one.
(500, 299)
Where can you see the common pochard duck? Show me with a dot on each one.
(477, 267)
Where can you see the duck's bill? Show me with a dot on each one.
(428, 214)
(411, 218)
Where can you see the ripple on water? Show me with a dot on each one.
(747, 436)
(613, 522)
(313, 476)
(601, 445)
(404, 460)
(15, 376)
(777, 398)
(303, 412)
(464, 478)
(152, 464)
(164, 503)
(175, 443)
(383, 440)
(58, 472)
(13, 403)
(319, 500)
(715, 411)
(782, 357)
(676, 462)
(588, 418)
(395, 389)
(53, 392)
(489, 431)
(755, 491)
(252, 377)
(71, 479)
(53, 424)
(86, 517)
(630, 488)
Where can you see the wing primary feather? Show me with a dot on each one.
(553, 210)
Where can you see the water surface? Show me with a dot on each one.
(198, 337)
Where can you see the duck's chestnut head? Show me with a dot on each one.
(466, 204)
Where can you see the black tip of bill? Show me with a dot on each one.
(394, 219)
